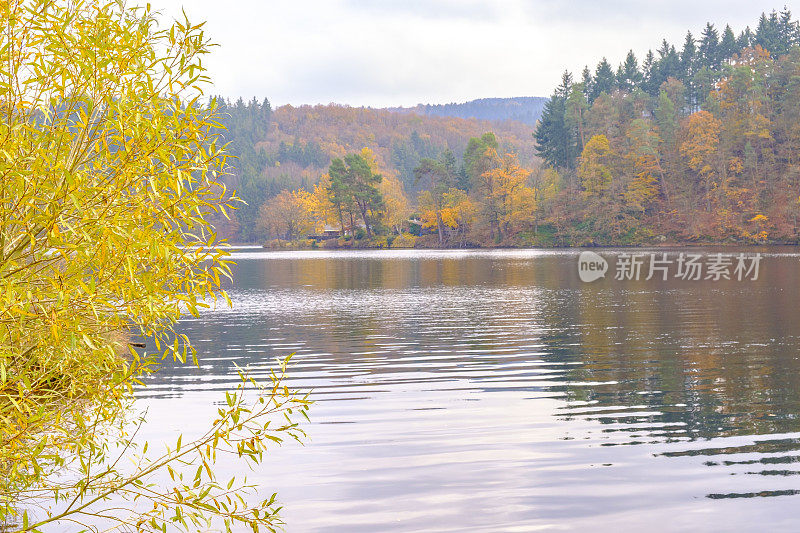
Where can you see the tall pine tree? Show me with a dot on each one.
(628, 75)
(709, 45)
(556, 140)
(604, 79)
(727, 46)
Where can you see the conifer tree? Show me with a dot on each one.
(709, 47)
(604, 79)
(628, 75)
(767, 33)
(727, 46)
(650, 82)
(556, 139)
(587, 81)
(745, 39)
(788, 32)
(689, 69)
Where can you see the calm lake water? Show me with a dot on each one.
(495, 391)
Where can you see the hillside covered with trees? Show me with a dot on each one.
(692, 144)
(291, 148)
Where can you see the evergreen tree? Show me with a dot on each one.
(245, 125)
(576, 107)
(555, 142)
(366, 195)
(727, 46)
(354, 190)
(709, 45)
(628, 74)
(565, 88)
(556, 138)
(788, 32)
(340, 194)
(688, 69)
(669, 64)
(650, 81)
(604, 79)
(587, 82)
(768, 33)
(746, 39)
(688, 57)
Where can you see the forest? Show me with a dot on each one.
(692, 144)
(696, 145)
(289, 149)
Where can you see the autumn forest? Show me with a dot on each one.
(694, 143)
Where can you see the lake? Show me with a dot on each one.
(496, 391)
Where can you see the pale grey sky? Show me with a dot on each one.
(403, 52)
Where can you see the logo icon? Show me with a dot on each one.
(591, 266)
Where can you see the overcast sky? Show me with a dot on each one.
(403, 52)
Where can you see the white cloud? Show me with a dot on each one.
(403, 52)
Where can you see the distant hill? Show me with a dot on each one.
(525, 109)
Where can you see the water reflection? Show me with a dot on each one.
(494, 390)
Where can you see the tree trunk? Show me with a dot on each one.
(365, 218)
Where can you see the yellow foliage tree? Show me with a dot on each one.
(595, 167)
(431, 213)
(645, 161)
(369, 156)
(455, 211)
(396, 206)
(524, 212)
(700, 149)
(108, 176)
(500, 185)
(319, 206)
(288, 215)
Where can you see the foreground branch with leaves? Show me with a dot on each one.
(114, 482)
(109, 175)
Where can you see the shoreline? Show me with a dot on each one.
(467, 248)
